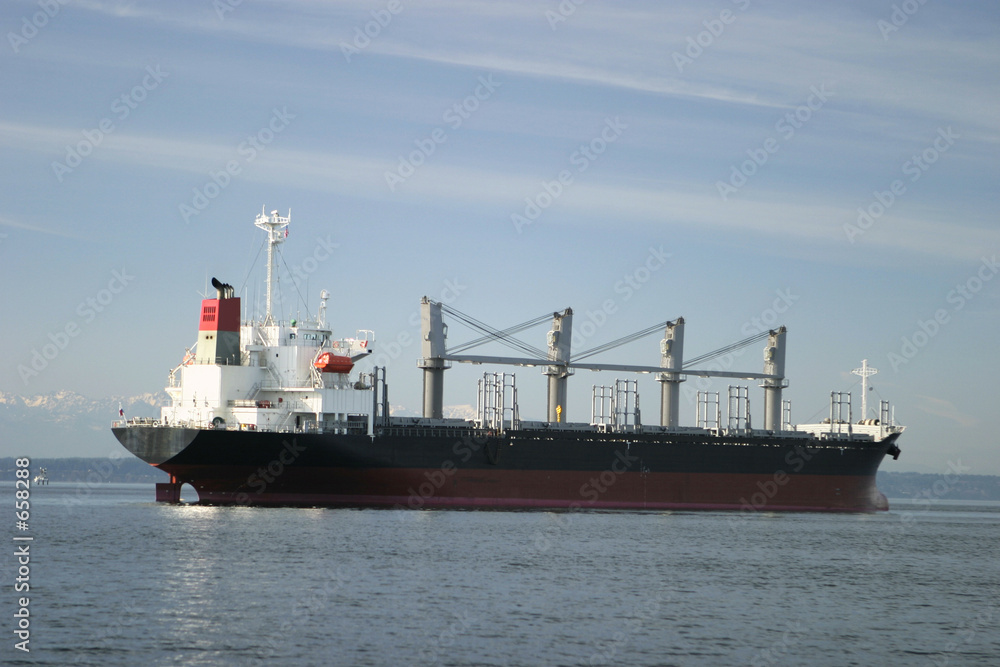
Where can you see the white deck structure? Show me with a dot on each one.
(277, 383)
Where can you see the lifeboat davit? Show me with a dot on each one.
(333, 363)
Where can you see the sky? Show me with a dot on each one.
(830, 167)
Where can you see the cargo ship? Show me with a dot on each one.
(270, 412)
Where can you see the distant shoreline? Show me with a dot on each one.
(938, 487)
(89, 470)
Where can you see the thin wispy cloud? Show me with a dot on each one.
(811, 218)
(945, 409)
(762, 58)
(9, 222)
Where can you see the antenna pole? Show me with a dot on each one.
(276, 228)
(865, 372)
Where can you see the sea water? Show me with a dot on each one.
(116, 579)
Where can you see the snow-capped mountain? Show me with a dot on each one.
(448, 411)
(65, 423)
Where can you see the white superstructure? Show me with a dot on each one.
(268, 374)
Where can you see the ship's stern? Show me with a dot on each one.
(155, 445)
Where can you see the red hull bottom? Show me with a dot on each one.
(545, 489)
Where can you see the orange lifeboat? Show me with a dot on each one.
(333, 363)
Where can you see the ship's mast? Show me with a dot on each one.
(865, 372)
(276, 228)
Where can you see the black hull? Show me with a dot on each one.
(423, 468)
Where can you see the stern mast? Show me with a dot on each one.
(277, 230)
